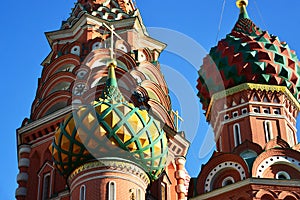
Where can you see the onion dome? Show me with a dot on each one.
(248, 55)
(110, 128)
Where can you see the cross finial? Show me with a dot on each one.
(177, 118)
(113, 33)
(241, 3)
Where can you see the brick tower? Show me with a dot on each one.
(253, 113)
(101, 124)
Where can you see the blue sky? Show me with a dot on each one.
(24, 46)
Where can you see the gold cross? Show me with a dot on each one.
(177, 118)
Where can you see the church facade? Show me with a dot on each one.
(102, 124)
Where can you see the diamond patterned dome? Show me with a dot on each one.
(110, 128)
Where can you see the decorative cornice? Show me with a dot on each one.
(250, 181)
(45, 119)
(251, 86)
(273, 160)
(114, 164)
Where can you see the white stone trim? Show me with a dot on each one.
(24, 149)
(208, 181)
(24, 162)
(180, 161)
(22, 177)
(21, 191)
(180, 174)
(265, 164)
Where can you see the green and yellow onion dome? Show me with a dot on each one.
(248, 55)
(111, 128)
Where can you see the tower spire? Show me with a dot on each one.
(242, 4)
(111, 91)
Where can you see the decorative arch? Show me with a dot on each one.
(265, 195)
(59, 62)
(248, 145)
(61, 96)
(285, 195)
(155, 93)
(218, 168)
(274, 157)
(161, 113)
(53, 81)
(277, 143)
(92, 58)
(152, 73)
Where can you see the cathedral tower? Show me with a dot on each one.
(253, 112)
(101, 125)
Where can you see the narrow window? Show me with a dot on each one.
(138, 194)
(46, 187)
(268, 130)
(112, 190)
(291, 140)
(220, 143)
(227, 181)
(163, 191)
(82, 192)
(283, 175)
(237, 134)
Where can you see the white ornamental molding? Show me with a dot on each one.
(224, 165)
(276, 160)
(24, 162)
(22, 177)
(24, 149)
(21, 191)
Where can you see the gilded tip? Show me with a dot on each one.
(241, 3)
(112, 63)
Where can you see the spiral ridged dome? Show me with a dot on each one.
(110, 127)
(248, 55)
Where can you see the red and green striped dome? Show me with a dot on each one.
(248, 55)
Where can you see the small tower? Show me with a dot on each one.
(253, 112)
(110, 124)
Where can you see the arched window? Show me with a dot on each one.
(267, 197)
(163, 191)
(237, 134)
(46, 187)
(268, 130)
(82, 192)
(227, 181)
(112, 190)
(248, 154)
(282, 175)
